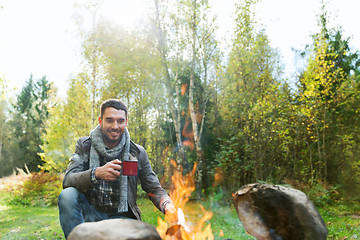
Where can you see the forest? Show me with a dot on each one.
(233, 113)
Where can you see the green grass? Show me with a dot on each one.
(225, 219)
(26, 222)
(342, 220)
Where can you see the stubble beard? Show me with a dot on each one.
(110, 140)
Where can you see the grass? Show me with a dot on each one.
(27, 222)
(342, 220)
(225, 222)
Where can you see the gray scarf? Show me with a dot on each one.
(98, 148)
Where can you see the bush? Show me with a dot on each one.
(323, 194)
(319, 192)
(40, 189)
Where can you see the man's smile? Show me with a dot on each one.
(114, 133)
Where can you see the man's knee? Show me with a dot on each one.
(68, 196)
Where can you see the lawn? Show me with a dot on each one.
(342, 220)
(26, 222)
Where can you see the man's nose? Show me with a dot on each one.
(115, 125)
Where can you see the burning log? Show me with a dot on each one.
(175, 226)
(276, 212)
(114, 229)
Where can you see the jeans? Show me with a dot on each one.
(75, 209)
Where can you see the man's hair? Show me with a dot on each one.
(114, 103)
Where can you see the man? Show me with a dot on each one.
(94, 187)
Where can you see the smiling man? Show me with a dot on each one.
(94, 187)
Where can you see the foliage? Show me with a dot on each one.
(190, 57)
(40, 189)
(3, 86)
(327, 86)
(188, 101)
(131, 69)
(28, 118)
(251, 106)
(322, 194)
(6, 149)
(68, 121)
(56, 147)
(268, 132)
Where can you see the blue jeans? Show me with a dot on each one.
(75, 209)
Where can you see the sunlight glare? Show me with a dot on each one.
(124, 12)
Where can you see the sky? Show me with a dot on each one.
(40, 37)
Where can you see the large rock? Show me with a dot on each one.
(277, 212)
(114, 229)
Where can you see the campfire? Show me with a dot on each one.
(176, 226)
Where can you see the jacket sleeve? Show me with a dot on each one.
(78, 173)
(150, 183)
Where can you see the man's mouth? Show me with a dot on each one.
(114, 134)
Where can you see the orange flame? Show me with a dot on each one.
(183, 186)
(218, 177)
(189, 144)
(183, 88)
(188, 134)
(171, 228)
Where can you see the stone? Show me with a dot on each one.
(114, 229)
(276, 212)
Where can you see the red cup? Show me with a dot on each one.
(129, 168)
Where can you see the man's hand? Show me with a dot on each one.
(110, 171)
(171, 213)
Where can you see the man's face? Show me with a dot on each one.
(113, 124)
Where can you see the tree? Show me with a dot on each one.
(327, 90)
(28, 120)
(130, 74)
(6, 159)
(171, 81)
(251, 106)
(203, 50)
(2, 112)
(191, 37)
(92, 55)
(69, 120)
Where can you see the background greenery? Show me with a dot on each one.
(230, 112)
(233, 113)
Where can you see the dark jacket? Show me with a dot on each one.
(78, 175)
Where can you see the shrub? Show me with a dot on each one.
(323, 194)
(319, 192)
(40, 189)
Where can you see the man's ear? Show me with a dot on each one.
(100, 120)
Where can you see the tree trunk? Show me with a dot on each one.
(169, 88)
(94, 71)
(197, 136)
